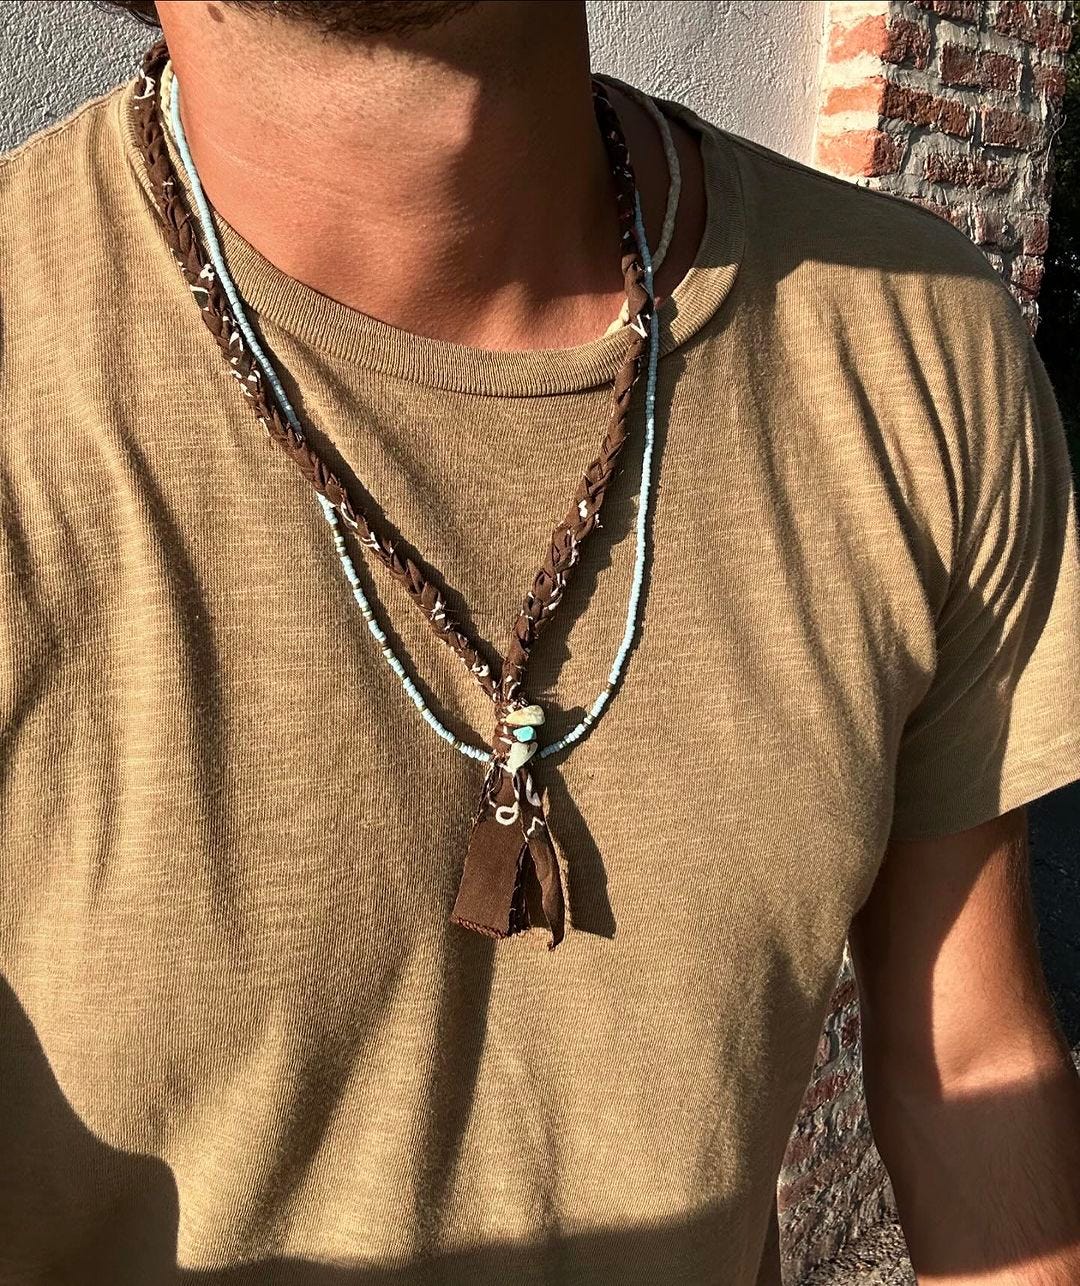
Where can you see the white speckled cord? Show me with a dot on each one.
(170, 100)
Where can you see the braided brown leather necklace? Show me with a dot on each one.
(511, 838)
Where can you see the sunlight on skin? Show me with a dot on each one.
(973, 1098)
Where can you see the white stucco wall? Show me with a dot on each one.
(749, 65)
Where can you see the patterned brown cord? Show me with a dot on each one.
(551, 579)
(564, 546)
(180, 231)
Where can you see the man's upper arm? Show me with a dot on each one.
(950, 982)
(945, 945)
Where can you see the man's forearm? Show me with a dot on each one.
(986, 1174)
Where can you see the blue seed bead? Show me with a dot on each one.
(525, 733)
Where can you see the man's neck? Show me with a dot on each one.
(453, 183)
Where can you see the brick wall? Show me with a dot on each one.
(951, 103)
(833, 1185)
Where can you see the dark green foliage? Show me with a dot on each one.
(1058, 334)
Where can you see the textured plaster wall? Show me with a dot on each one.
(54, 54)
(749, 65)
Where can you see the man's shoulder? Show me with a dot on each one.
(73, 257)
(803, 225)
(70, 224)
(48, 176)
(873, 278)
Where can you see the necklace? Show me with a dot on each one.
(511, 840)
(671, 207)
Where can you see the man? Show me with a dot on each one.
(242, 1039)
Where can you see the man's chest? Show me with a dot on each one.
(239, 787)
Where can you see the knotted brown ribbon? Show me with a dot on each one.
(510, 841)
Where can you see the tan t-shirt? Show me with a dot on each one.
(240, 1041)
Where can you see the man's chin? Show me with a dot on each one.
(360, 17)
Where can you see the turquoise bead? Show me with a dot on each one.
(525, 733)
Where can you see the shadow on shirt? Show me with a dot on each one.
(119, 1211)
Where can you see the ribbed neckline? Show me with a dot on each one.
(338, 330)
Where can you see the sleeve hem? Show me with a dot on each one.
(1050, 768)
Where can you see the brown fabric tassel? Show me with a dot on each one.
(546, 859)
(510, 842)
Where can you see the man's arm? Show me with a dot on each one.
(973, 1098)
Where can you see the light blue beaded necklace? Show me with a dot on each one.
(170, 94)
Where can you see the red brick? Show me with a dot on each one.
(1027, 274)
(1034, 22)
(983, 69)
(845, 993)
(918, 107)
(966, 170)
(867, 36)
(866, 96)
(1015, 18)
(827, 1089)
(957, 65)
(961, 10)
(859, 152)
(999, 71)
(1051, 82)
(1035, 233)
(907, 42)
(900, 41)
(1050, 33)
(1002, 128)
(956, 215)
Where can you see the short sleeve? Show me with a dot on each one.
(1000, 722)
